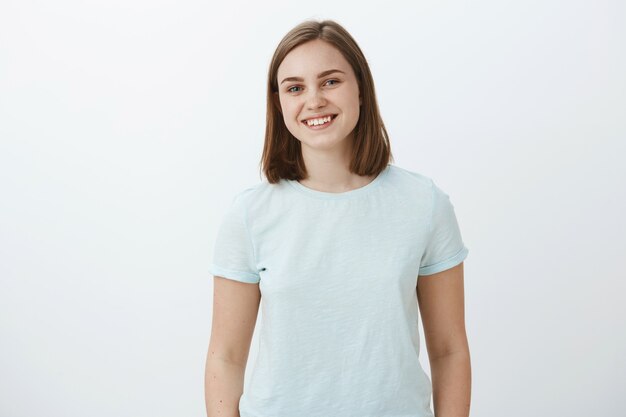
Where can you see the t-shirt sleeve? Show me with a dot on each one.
(444, 247)
(233, 252)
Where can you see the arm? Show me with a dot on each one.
(441, 303)
(235, 309)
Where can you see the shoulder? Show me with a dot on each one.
(410, 182)
(243, 196)
(420, 189)
(419, 181)
(412, 177)
(260, 196)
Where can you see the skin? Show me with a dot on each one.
(441, 303)
(327, 152)
(235, 310)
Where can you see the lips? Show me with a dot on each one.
(332, 115)
(323, 126)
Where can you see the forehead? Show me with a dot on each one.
(311, 58)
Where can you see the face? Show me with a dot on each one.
(308, 90)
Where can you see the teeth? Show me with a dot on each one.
(315, 122)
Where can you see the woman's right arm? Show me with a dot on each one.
(235, 310)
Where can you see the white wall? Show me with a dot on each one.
(127, 126)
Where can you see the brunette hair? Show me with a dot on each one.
(282, 154)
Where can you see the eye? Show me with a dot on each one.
(290, 89)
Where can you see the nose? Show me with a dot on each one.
(315, 99)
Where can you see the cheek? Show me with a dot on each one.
(290, 116)
(350, 98)
(351, 105)
(289, 112)
(290, 119)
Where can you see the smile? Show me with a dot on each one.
(325, 122)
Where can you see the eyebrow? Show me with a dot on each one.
(320, 75)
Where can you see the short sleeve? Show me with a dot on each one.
(233, 253)
(444, 247)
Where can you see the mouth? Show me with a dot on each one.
(323, 125)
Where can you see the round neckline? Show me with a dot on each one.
(350, 193)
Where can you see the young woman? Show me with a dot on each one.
(344, 249)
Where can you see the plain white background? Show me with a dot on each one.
(127, 126)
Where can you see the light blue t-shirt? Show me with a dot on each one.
(337, 273)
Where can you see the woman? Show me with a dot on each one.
(344, 249)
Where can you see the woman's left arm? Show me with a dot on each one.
(441, 303)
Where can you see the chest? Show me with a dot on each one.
(341, 248)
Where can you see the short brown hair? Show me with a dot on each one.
(282, 153)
